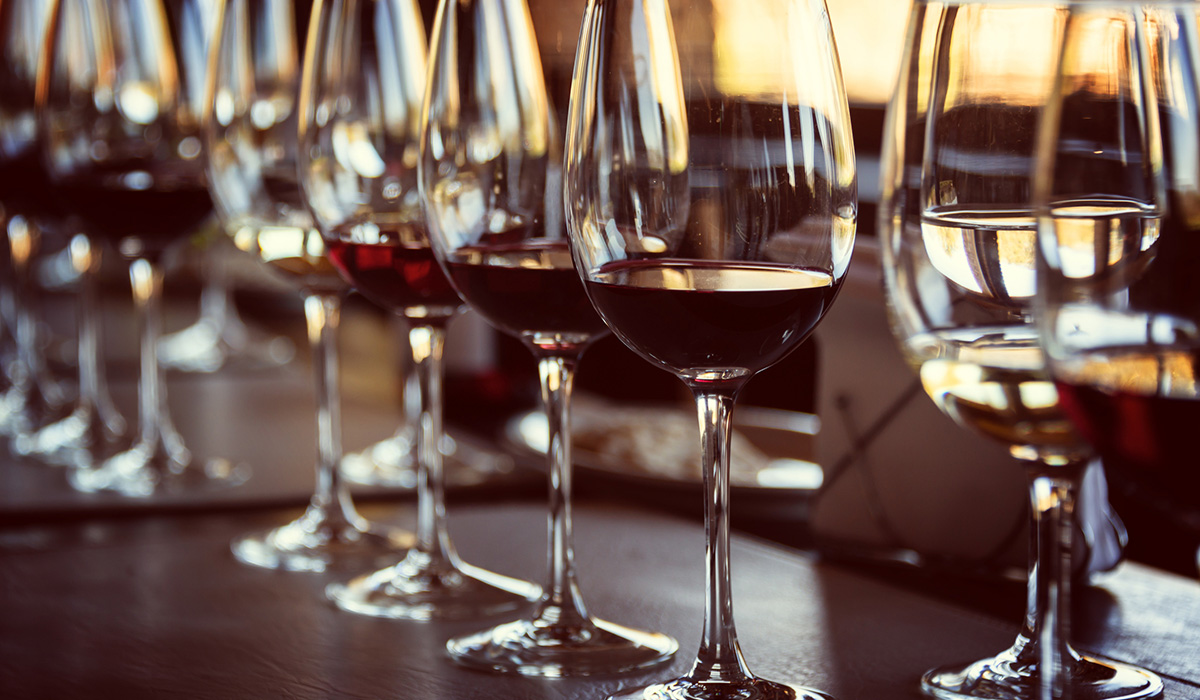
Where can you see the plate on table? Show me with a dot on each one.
(658, 446)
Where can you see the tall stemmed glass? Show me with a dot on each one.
(364, 75)
(33, 399)
(1116, 184)
(486, 172)
(711, 203)
(250, 139)
(122, 145)
(958, 237)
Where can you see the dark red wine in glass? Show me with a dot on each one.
(526, 288)
(695, 315)
(1146, 439)
(397, 270)
(142, 208)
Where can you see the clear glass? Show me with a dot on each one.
(958, 235)
(1117, 222)
(711, 203)
(364, 75)
(93, 427)
(510, 261)
(250, 127)
(219, 338)
(119, 118)
(392, 461)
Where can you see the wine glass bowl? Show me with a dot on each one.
(711, 201)
(959, 238)
(361, 92)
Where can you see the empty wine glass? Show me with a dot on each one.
(711, 203)
(489, 163)
(250, 137)
(958, 236)
(364, 75)
(1116, 187)
(122, 147)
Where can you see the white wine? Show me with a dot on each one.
(993, 380)
(986, 252)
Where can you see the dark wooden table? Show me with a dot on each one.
(154, 606)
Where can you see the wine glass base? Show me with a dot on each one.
(1001, 678)
(535, 648)
(745, 689)
(390, 463)
(142, 473)
(419, 588)
(305, 545)
(204, 347)
(74, 441)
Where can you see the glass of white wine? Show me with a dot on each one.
(959, 238)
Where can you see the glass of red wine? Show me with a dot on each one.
(361, 93)
(120, 118)
(1115, 187)
(711, 202)
(250, 138)
(496, 226)
(34, 398)
(959, 236)
(91, 427)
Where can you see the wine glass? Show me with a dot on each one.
(711, 202)
(958, 235)
(34, 397)
(250, 138)
(1115, 186)
(117, 110)
(364, 74)
(490, 157)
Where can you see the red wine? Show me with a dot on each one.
(24, 188)
(692, 317)
(395, 269)
(527, 289)
(141, 207)
(1148, 439)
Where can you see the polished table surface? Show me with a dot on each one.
(103, 596)
(154, 606)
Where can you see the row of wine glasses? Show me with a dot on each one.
(711, 223)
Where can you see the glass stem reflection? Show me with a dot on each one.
(1045, 634)
(427, 343)
(322, 313)
(561, 603)
(720, 657)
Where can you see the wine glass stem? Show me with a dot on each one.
(105, 422)
(427, 343)
(1045, 636)
(719, 657)
(322, 313)
(23, 240)
(146, 279)
(561, 601)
